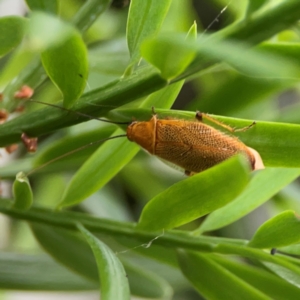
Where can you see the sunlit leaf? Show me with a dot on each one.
(114, 283)
(195, 196)
(43, 5)
(213, 281)
(281, 230)
(144, 20)
(11, 33)
(264, 184)
(67, 66)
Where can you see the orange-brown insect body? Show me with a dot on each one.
(192, 145)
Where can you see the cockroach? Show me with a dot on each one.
(192, 145)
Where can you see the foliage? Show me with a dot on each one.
(133, 212)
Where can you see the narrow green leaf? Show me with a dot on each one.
(248, 30)
(291, 249)
(225, 100)
(46, 30)
(192, 33)
(11, 33)
(68, 248)
(114, 283)
(43, 31)
(71, 143)
(95, 103)
(67, 66)
(147, 284)
(264, 184)
(164, 97)
(213, 281)
(144, 20)
(43, 5)
(170, 58)
(22, 192)
(171, 61)
(250, 61)
(38, 273)
(254, 5)
(255, 254)
(113, 156)
(68, 220)
(281, 230)
(195, 196)
(99, 169)
(270, 284)
(18, 60)
(88, 13)
(285, 273)
(288, 50)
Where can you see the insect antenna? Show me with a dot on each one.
(80, 113)
(74, 151)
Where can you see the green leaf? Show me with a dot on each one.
(22, 192)
(46, 31)
(285, 273)
(67, 66)
(281, 230)
(261, 25)
(96, 103)
(68, 248)
(114, 283)
(264, 184)
(213, 281)
(270, 284)
(223, 98)
(170, 62)
(38, 273)
(88, 13)
(291, 249)
(144, 20)
(250, 61)
(111, 157)
(58, 242)
(289, 51)
(107, 161)
(285, 265)
(254, 5)
(147, 284)
(164, 97)
(43, 31)
(68, 220)
(11, 33)
(196, 196)
(169, 57)
(43, 5)
(192, 33)
(72, 143)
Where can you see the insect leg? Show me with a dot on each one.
(244, 128)
(200, 116)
